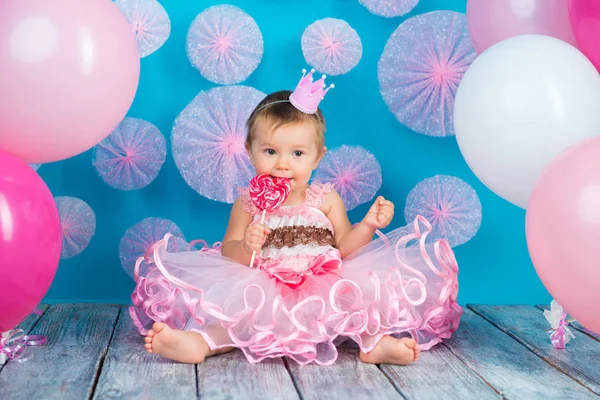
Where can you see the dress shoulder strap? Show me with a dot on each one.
(249, 207)
(315, 193)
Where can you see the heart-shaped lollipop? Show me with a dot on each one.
(268, 193)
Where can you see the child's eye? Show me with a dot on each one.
(298, 153)
(270, 152)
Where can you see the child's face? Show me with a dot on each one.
(289, 151)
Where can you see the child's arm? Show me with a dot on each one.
(241, 238)
(349, 239)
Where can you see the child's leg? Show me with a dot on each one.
(391, 350)
(183, 346)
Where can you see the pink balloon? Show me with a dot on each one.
(30, 240)
(491, 21)
(563, 231)
(69, 70)
(585, 20)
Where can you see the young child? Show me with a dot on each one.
(316, 280)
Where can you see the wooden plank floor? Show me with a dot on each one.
(498, 352)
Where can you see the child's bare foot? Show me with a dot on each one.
(390, 350)
(183, 346)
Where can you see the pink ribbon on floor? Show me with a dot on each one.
(557, 317)
(14, 344)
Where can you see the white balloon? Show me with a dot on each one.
(520, 103)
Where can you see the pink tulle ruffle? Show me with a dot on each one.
(399, 284)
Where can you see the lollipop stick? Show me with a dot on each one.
(262, 221)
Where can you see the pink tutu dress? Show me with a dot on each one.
(301, 299)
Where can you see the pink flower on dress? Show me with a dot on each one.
(323, 264)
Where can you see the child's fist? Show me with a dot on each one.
(380, 214)
(255, 237)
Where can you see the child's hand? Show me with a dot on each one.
(380, 214)
(255, 237)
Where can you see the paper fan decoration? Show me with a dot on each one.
(139, 238)
(78, 223)
(149, 21)
(131, 157)
(208, 141)
(420, 69)
(224, 44)
(353, 171)
(389, 8)
(450, 204)
(331, 46)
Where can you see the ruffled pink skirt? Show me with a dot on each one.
(399, 284)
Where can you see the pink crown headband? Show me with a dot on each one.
(307, 95)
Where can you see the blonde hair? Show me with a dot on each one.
(276, 110)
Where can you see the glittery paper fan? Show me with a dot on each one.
(331, 46)
(132, 156)
(208, 141)
(224, 44)
(420, 69)
(78, 223)
(389, 8)
(353, 171)
(149, 21)
(139, 238)
(450, 204)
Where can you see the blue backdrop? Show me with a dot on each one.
(494, 266)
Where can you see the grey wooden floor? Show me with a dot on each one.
(498, 352)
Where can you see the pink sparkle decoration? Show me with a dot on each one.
(149, 22)
(224, 44)
(450, 204)
(78, 223)
(389, 8)
(208, 141)
(139, 238)
(331, 46)
(353, 171)
(420, 69)
(132, 156)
